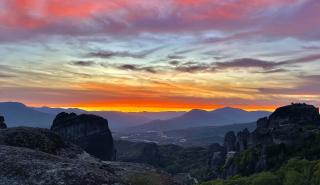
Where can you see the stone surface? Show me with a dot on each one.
(35, 156)
(23, 166)
(294, 114)
(2, 124)
(88, 131)
(41, 140)
(216, 159)
(230, 141)
(287, 126)
(243, 140)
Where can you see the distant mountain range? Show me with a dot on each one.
(198, 118)
(18, 114)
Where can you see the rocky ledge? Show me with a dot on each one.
(35, 156)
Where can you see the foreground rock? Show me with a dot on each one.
(34, 156)
(29, 167)
(90, 132)
(41, 140)
(2, 124)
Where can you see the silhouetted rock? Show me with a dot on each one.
(88, 131)
(294, 114)
(230, 141)
(2, 124)
(287, 126)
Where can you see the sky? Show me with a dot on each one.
(156, 55)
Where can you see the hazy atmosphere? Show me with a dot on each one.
(159, 92)
(159, 55)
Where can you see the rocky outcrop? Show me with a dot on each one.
(287, 126)
(2, 124)
(40, 157)
(242, 140)
(217, 155)
(90, 132)
(24, 166)
(139, 152)
(230, 141)
(41, 140)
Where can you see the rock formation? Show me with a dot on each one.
(39, 156)
(88, 131)
(2, 124)
(24, 166)
(41, 140)
(217, 155)
(253, 152)
(230, 141)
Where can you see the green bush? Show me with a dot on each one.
(144, 179)
(265, 178)
(295, 172)
(294, 178)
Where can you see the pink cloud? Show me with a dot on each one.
(284, 18)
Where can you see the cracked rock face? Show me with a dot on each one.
(90, 132)
(23, 166)
(35, 156)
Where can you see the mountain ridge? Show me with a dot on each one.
(223, 116)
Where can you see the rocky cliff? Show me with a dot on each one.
(268, 146)
(90, 132)
(34, 156)
(2, 124)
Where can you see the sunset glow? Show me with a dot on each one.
(125, 55)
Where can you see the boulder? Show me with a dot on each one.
(90, 132)
(2, 124)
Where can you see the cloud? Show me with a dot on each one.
(303, 59)
(174, 62)
(175, 57)
(273, 71)
(83, 63)
(267, 18)
(112, 54)
(131, 67)
(5, 75)
(246, 63)
(194, 67)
